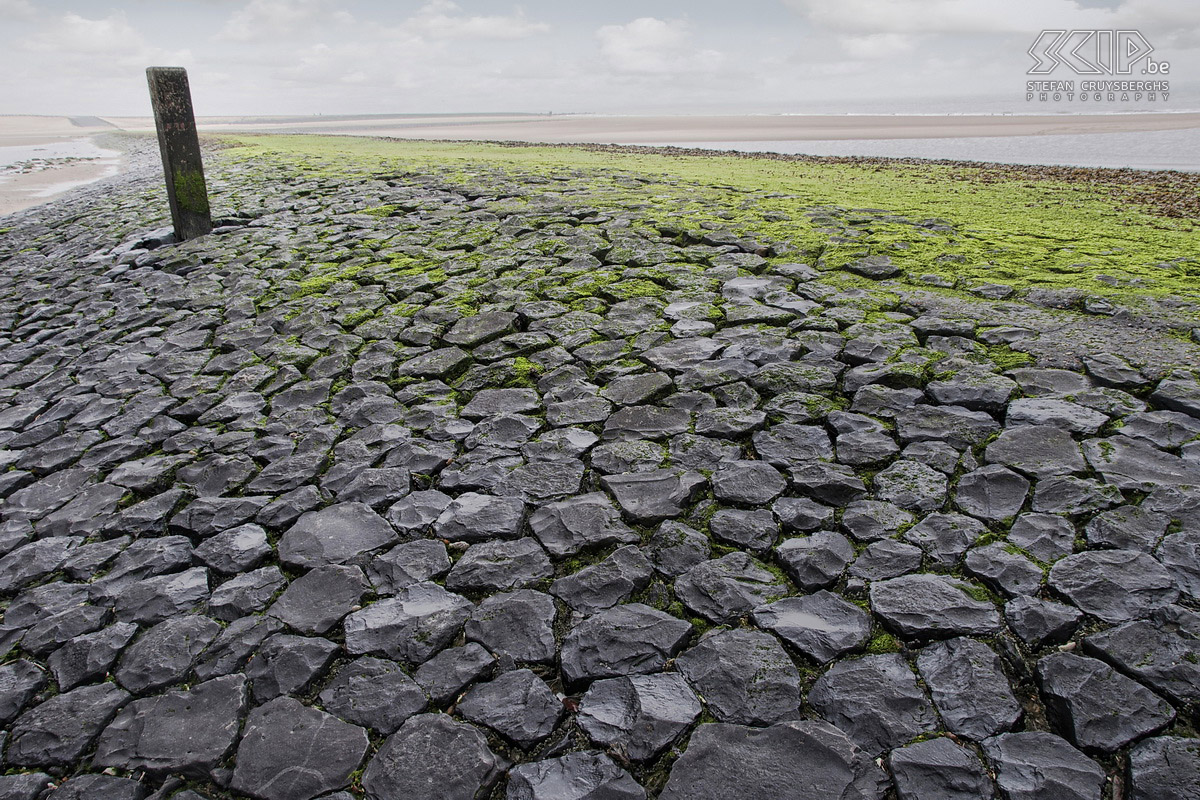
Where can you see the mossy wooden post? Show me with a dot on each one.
(180, 148)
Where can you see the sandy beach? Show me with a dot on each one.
(41, 158)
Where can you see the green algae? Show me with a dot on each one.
(953, 221)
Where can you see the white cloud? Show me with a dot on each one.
(877, 45)
(441, 19)
(17, 9)
(269, 19)
(654, 46)
(98, 46)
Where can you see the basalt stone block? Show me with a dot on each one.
(24, 786)
(725, 588)
(830, 483)
(292, 752)
(565, 527)
(155, 599)
(1039, 766)
(1062, 414)
(245, 594)
(235, 550)
(1005, 571)
(788, 445)
(1168, 661)
(939, 768)
(373, 693)
(444, 363)
(414, 514)
(887, 558)
(418, 622)
(822, 626)
(444, 676)
(479, 517)
(744, 676)
(872, 520)
(753, 530)
(1131, 464)
(1046, 537)
(573, 777)
(650, 497)
(287, 664)
(34, 561)
(408, 563)
(646, 422)
(317, 600)
(99, 787)
(433, 757)
(802, 515)
(518, 705)
(1041, 622)
(956, 426)
(982, 391)
(1096, 706)
(188, 732)
(605, 584)
(88, 658)
(334, 535)
(1114, 585)
(1165, 768)
(945, 537)
(234, 646)
(166, 653)
(932, 606)
(969, 688)
(642, 715)
(753, 483)
(992, 492)
(19, 682)
(517, 624)
(1127, 528)
(817, 561)
(724, 761)
(675, 548)
(629, 639)
(59, 731)
(480, 328)
(875, 700)
(1037, 450)
(911, 485)
(500, 565)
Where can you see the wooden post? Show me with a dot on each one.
(180, 148)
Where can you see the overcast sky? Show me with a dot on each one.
(614, 56)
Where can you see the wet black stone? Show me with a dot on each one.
(630, 639)
(939, 768)
(245, 594)
(500, 565)
(969, 688)
(406, 564)
(1055, 412)
(334, 535)
(567, 526)
(418, 622)
(89, 657)
(1114, 585)
(1165, 768)
(373, 693)
(872, 520)
(822, 625)
(753, 483)
(518, 705)
(1168, 661)
(991, 493)
(650, 497)
(1127, 528)
(1041, 622)
(291, 752)
(59, 731)
(99, 787)
(887, 558)
(932, 606)
(607, 583)
(1038, 766)
(744, 677)
(34, 561)
(1044, 536)
(1097, 707)
(830, 483)
(875, 700)
(20, 681)
(1037, 450)
(235, 645)
(478, 518)
(287, 664)
(188, 732)
(722, 589)
(576, 775)
(817, 561)
(956, 426)
(675, 548)
(317, 600)
(416, 512)
(641, 715)
(749, 530)
(1132, 464)
(164, 654)
(444, 676)
(154, 599)
(24, 786)
(789, 445)
(724, 761)
(433, 757)
(1004, 571)
(911, 485)
(517, 624)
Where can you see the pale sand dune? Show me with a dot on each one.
(688, 129)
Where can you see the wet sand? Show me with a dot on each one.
(689, 129)
(41, 158)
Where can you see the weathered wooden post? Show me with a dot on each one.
(180, 148)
